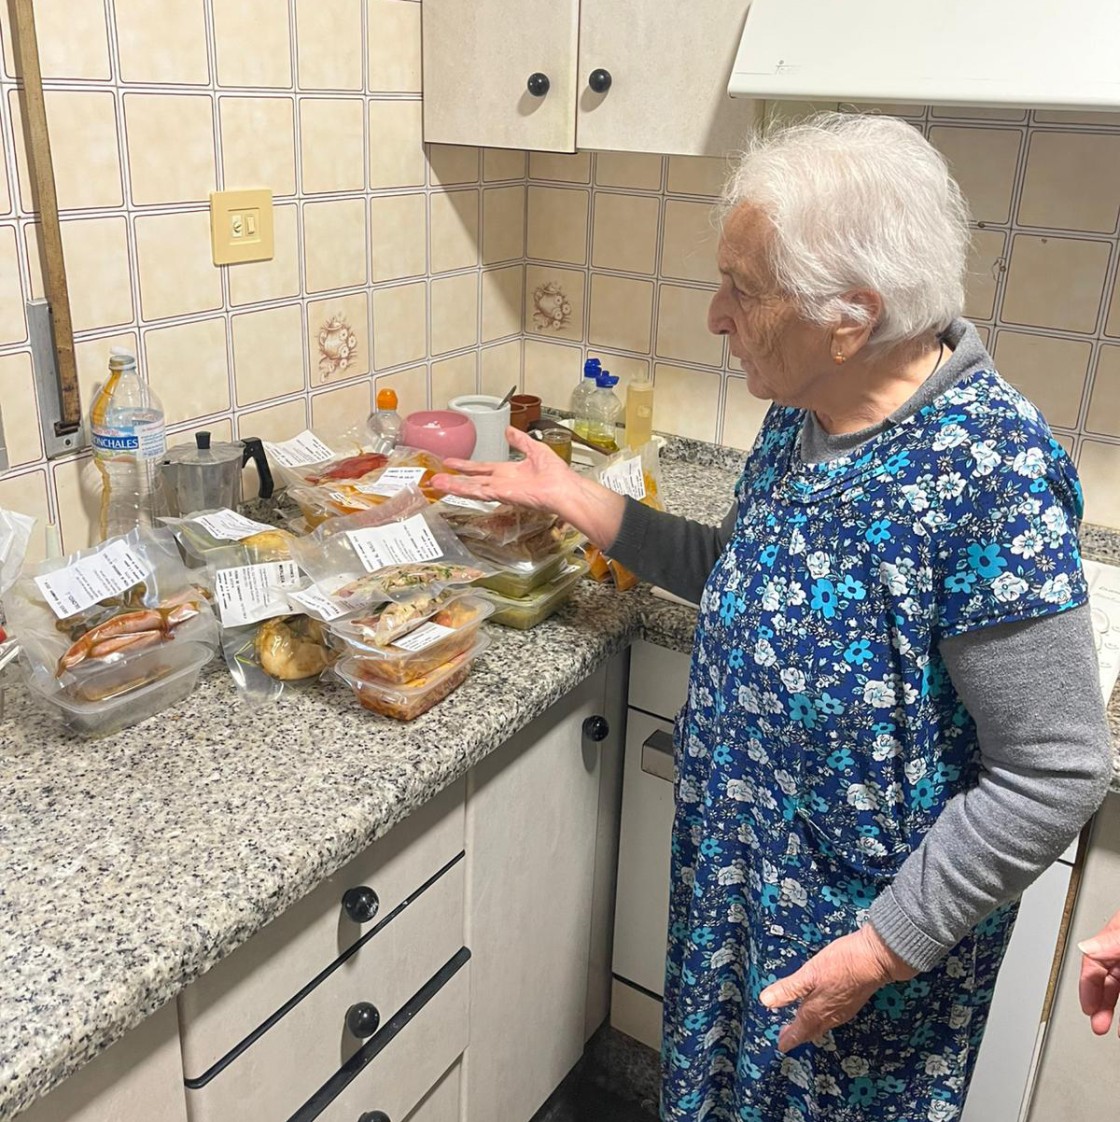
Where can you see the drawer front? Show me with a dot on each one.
(224, 1006)
(658, 679)
(304, 1049)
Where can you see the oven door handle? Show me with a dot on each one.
(657, 755)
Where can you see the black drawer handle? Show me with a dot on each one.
(362, 1019)
(596, 728)
(538, 84)
(375, 1116)
(361, 903)
(600, 80)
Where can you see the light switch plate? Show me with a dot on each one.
(241, 226)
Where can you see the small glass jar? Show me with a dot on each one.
(560, 441)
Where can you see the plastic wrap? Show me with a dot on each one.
(636, 474)
(496, 523)
(267, 658)
(205, 531)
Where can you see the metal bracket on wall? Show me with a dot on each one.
(57, 439)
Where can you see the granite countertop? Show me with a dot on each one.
(131, 865)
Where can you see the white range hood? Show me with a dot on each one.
(1054, 54)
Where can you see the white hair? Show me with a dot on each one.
(859, 202)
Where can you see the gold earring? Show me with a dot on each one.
(839, 359)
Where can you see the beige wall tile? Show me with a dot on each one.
(329, 44)
(985, 259)
(267, 353)
(685, 402)
(6, 202)
(557, 224)
(97, 272)
(400, 319)
(501, 163)
(554, 302)
(264, 23)
(331, 139)
(1055, 282)
(503, 224)
(1104, 404)
(258, 143)
(682, 326)
(1079, 117)
(742, 414)
(552, 371)
(984, 334)
(625, 233)
(398, 227)
(500, 367)
(502, 291)
(1050, 371)
(20, 411)
(338, 338)
(975, 113)
(92, 357)
(73, 42)
(34, 260)
(689, 242)
(621, 313)
(187, 368)
(394, 46)
(13, 322)
(697, 175)
(454, 312)
(341, 409)
(635, 170)
(575, 168)
(277, 422)
(454, 219)
(170, 147)
(410, 386)
(1098, 465)
(173, 258)
(453, 377)
(452, 164)
(983, 161)
(626, 368)
(77, 488)
(270, 280)
(334, 244)
(27, 494)
(396, 149)
(164, 42)
(1070, 183)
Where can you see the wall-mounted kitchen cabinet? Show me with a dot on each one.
(619, 75)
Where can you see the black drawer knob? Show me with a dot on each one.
(362, 1019)
(538, 84)
(596, 728)
(360, 903)
(600, 80)
(374, 1116)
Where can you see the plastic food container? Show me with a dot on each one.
(450, 632)
(407, 701)
(527, 611)
(524, 577)
(178, 667)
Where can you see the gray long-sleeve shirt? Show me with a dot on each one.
(1032, 687)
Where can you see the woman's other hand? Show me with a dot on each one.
(1100, 975)
(834, 985)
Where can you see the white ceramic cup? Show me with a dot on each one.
(489, 424)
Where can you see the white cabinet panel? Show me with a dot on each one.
(658, 679)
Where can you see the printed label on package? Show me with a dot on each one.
(625, 478)
(250, 593)
(470, 504)
(426, 635)
(306, 448)
(392, 480)
(110, 571)
(228, 525)
(317, 603)
(400, 543)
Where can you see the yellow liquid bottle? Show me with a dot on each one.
(639, 413)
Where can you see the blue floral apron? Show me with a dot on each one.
(822, 737)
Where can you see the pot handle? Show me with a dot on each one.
(254, 450)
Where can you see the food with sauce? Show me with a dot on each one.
(291, 648)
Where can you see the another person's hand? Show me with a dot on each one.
(1100, 975)
(834, 985)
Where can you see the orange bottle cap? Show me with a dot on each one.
(386, 399)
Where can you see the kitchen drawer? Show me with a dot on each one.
(220, 1009)
(658, 679)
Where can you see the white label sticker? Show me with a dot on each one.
(426, 635)
(392, 480)
(106, 573)
(317, 603)
(470, 504)
(399, 543)
(306, 448)
(625, 478)
(250, 593)
(228, 525)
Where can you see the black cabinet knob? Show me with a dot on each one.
(362, 1019)
(600, 80)
(360, 903)
(374, 1116)
(538, 84)
(596, 728)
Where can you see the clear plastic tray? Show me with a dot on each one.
(407, 701)
(449, 632)
(524, 577)
(527, 611)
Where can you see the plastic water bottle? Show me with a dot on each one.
(603, 408)
(384, 426)
(126, 429)
(581, 396)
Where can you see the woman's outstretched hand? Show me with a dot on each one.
(1100, 976)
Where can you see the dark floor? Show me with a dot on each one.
(579, 1100)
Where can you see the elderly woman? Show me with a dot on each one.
(893, 722)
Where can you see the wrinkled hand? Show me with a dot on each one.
(834, 985)
(1100, 976)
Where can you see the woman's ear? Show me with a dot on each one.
(850, 336)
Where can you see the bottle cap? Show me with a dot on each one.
(606, 379)
(591, 368)
(386, 398)
(120, 358)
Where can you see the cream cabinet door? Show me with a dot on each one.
(478, 59)
(669, 64)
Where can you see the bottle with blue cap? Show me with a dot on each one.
(603, 408)
(581, 396)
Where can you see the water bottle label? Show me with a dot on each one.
(148, 441)
(114, 443)
(153, 440)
